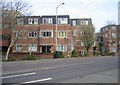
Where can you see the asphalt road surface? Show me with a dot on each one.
(66, 70)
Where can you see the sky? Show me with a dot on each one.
(100, 11)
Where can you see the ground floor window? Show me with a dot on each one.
(18, 47)
(62, 47)
(83, 52)
(32, 47)
(46, 49)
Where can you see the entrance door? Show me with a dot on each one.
(46, 49)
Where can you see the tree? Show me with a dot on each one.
(112, 33)
(10, 12)
(87, 36)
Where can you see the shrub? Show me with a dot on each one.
(11, 59)
(58, 54)
(30, 57)
(74, 53)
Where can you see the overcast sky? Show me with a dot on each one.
(99, 10)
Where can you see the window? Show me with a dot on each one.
(32, 47)
(84, 22)
(30, 21)
(46, 49)
(114, 49)
(62, 34)
(18, 34)
(106, 35)
(74, 33)
(33, 21)
(62, 47)
(46, 33)
(4, 37)
(62, 21)
(74, 22)
(82, 43)
(18, 47)
(19, 21)
(113, 35)
(83, 52)
(47, 20)
(32, 34)
(113, 28)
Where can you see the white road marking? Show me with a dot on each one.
(46, 79)
(26, 74)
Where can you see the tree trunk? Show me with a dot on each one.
(8, 50)
(87, 52)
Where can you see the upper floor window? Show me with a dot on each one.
(62, 21)
(32, 34)
(33, 21)
(84, 22)
(114, 35)
(46, 33)
(18, 34)
(62, 47)
(82, 43)
(4, 37)
(74, 33)
(62, 34)
(74, 22)
(19, 21)
(113, 28)
(47, 20)
(18, 47)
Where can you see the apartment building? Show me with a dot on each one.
(37, 35)
(110, 38)
(78, 44)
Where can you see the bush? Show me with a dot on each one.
(74, 53)
(11, 59)
(109, 54)
(30, 57)
(58, 54)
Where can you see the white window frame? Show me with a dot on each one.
(35, 21)
(62, 34)
(62, 20)
(62, 48)
(82, 52)
(84, 22)
(82, 43)
(42, 35)
(47, 21)
(32, 34)
(74, 32)
(30, 21)
(74, 22)
(32, 47)
(19, 47)
(18, 34)
(19, 21)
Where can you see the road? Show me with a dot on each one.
(68, 70)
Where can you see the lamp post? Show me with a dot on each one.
(57, 22)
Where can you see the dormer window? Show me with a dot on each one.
(33, 21)
(74, 23)
(62, 21)
(47, 20)
(19, 21)
(84, 22)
